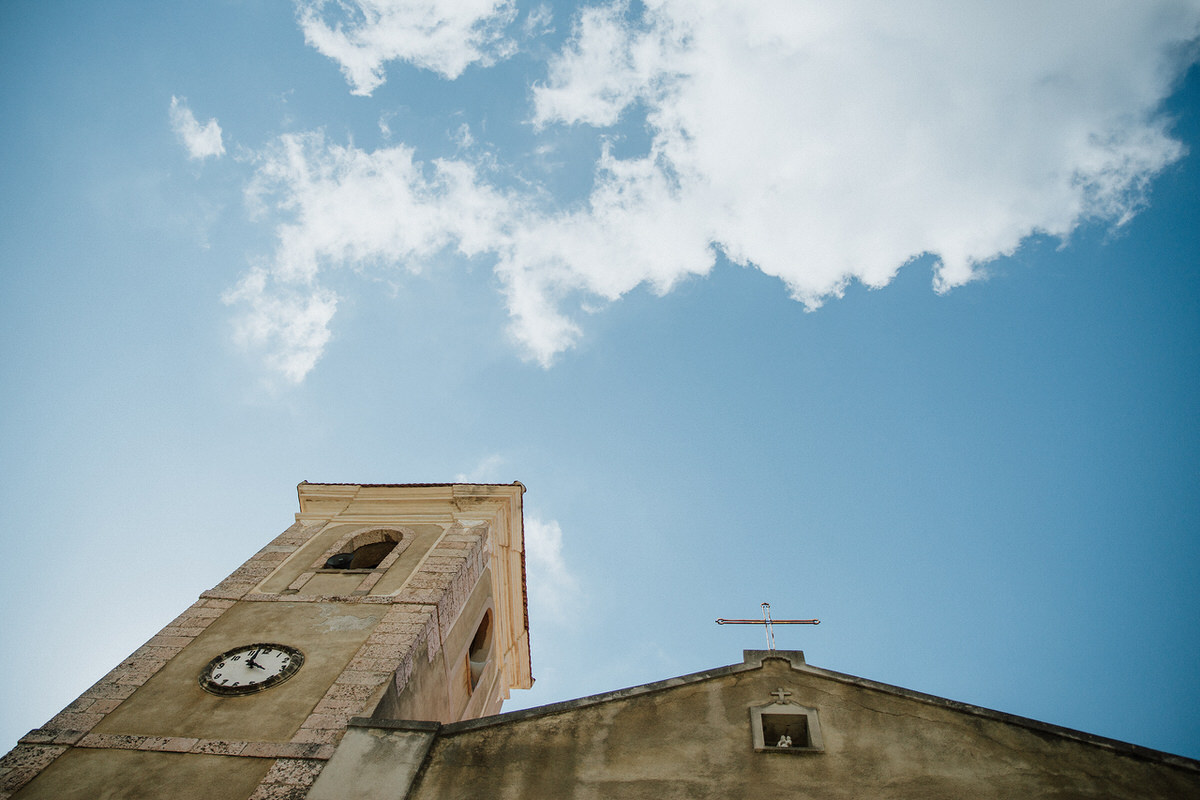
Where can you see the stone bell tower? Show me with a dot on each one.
(398, 601)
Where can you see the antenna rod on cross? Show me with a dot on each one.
(767, 623)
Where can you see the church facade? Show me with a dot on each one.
(771, 726)
(366, 651)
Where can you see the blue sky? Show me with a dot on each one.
(889, 319)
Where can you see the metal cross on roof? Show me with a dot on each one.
(767, 622)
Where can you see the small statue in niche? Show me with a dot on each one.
(784, 741)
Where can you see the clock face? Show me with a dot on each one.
(250, 668)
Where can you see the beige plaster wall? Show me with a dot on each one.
(694, 741)
(394, 578)
(302, 560)
(425, 535)
(332, 583)
(99, 774)
(173, 704)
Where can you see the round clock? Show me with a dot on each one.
(250, 668)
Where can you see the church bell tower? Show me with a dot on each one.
(393, 601)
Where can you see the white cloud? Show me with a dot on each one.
(820, 143)
(290, 327)
(349, 207)
(825, 144)
(444, 37)
(608, 65)
(637, 228)
(553, 588)
(201, 141)
(539, 21)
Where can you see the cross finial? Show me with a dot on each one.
(767, 623)
(781, 693)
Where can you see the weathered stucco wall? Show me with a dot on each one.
(439, 689)
(693, 740)
(173, 704)
(377, 762)
(135, 775)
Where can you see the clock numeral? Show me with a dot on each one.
(217, 675)
(238, 657)
(221, 665)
